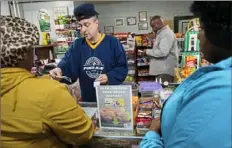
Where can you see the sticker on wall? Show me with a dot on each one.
(44, 20)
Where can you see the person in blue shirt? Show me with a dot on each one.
(198, 113)
(96, 57)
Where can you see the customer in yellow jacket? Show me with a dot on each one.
(35, 113)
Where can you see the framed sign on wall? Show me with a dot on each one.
(131, 21)
(143, 25)
(143, 16)
(119, 22)
(109, 29)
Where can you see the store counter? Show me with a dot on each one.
(117, 135)
(111, 139)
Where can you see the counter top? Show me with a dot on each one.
(117, 135)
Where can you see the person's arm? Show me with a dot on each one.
(69, 64)
(203, 120)
(66, 118)
(163, 47)
(118, 74)
(152, 140)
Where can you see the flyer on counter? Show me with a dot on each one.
(115, 107)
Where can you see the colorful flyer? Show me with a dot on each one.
(44, 20)
(115, 107)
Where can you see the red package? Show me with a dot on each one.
(143, 122)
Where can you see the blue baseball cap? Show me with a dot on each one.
(84, 11)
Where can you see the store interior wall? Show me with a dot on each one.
(5, 8)
(167, 9)
(111, 10)
(30, 11)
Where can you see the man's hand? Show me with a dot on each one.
(142, 52)
(155, 125)
(103, 79)
(56, 74)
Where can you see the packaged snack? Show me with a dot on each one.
(191, 63)
(146, 99)
(164, 94)
(142, 131)
(178, 76)
(143, 122)
(156, 113)
(146, 106)
(145, 114)
(204, 62)
(156, 107)
(138, 40)
(149, 87)
(156, 98)
(135, 100)
(144, 40)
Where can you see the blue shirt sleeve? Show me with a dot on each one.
(69, 64)
(203, 119)
(151, 140)
(118, 74)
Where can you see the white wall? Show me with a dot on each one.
(109, 11)
(31, 12)
(166, 9)
(5, 8)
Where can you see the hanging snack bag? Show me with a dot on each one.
(138, 40)
(191, 63)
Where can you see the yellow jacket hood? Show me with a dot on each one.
(11, 77)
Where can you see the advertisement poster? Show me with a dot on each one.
(115, 107)
(44, 21)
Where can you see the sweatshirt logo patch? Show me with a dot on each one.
(93, 67)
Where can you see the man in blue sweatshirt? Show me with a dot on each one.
(96, 57)
(198, 113)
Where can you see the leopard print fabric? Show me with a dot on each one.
(17, 37)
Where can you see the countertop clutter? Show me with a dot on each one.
(144, 109)
(123, 114)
